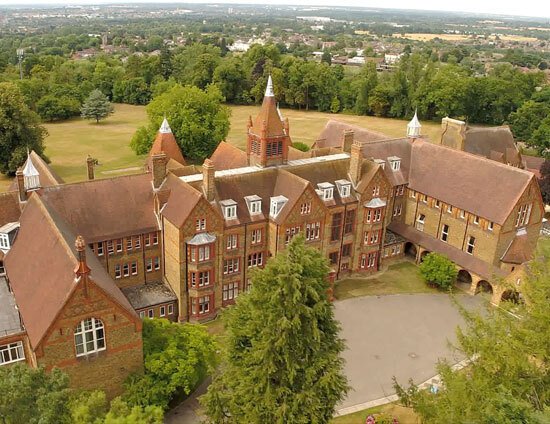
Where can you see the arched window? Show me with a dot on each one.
(89, 337)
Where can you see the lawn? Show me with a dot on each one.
(401, 277)
(404, 415)
(69, 142)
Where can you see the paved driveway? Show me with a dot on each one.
(398, 335)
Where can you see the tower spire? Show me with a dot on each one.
(165, 127)
(30, 174)
(269, 88)
(413, 127)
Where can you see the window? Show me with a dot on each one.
(142, 314)
(170, 309)
(445, 233)
(230, 212)
(420, 222)
(100, 249)
(328, 193)
(476, 219)
(118, 272)
(256, 236)
(162, 312)
(350, 219)
(344, 187)
(305, 208)
(200, 224)
(400, 190)
(156, 237)
(291, 232)
(395, 165)
(374, 236)
(134, 268)
(449, 209)
(412, 194)
(147, 238)
(118, 243)
(110, 248)
(156, 262)
(149, 264)
(377, 215)
(129, 244)
(371, 263)
(313, 231)
(231, 266)
(204, 304)
(462, 213)
(230, 291)
(333, 258)
(471, 245)
(137, 242)
(5, 241)
(255, 207)
(376, 190)
(524, 213)
(423, 198)
(12, 352)
(490, 226)
(397, 210)
(437, 204)
(336, 226)
(274, 148)
(255, 259)
(231, 241)
(151, 313)
(346, 250)
(204, 278)
(204, 253)
(277, 204)
(363, 261)
(89, 337)
(126, 270)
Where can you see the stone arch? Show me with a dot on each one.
(511, 295)
(410, 250)
(484, 286)
(464, 276)
(423, 255)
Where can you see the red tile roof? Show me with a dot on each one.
(227, 156)
(166, 142)
(333, 133)
(269, 115)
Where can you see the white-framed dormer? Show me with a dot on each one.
(8, 233)
(344, 188)
(254, 204)
(326, 190)
(277, 204)
(380, 162)
(229, 207)
(395, 163)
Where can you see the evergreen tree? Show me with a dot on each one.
(282, 363)
(96, 106)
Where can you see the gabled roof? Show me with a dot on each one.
(166, 142)
(227, 156)
(383, 149)
(47, 175)
(333, 132)
(268, 115)
(495, 143)
(520, 250)
(106, 209)
(181, 201)
(40, 268)
(9, 207)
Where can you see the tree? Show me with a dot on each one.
(96, 106)
(282, 363)
(33, 396)
(544, 182)
(20, 129)
(54, 108)
(508, 380)
(177, 358)
(198, 120)
(540, 139)
(437, 269)
(527, 119)
(326, 57)
(122, 413)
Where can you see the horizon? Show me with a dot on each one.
(526, 9)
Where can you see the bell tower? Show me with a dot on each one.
(268, 134)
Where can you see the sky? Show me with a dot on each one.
(534, 8)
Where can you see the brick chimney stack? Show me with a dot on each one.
(159, 169)
(21, 185)
(208, 183)
(90, 162)
(355, 163)
(347, 140)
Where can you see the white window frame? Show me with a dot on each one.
(445, 233)
(162, 312)
(12, 352)
(305, 208)
(231, 241)
(376, 190)
(471, 245)
(328, 193)
(170, 309)
(490, 225)
(230, 212)
(89, 330)
(255, 207)
(256, 236)
(150, 313)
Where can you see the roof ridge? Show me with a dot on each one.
(96, 180)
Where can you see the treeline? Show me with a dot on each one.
(55, 87)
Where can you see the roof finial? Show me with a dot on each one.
(165, 127)
(81, 267)
(269, 88)
(413, 127)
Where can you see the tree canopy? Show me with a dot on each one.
(282, 363)
(439, 270)
(197, 117)
(508, 380)
(97, 106)
(20, 129)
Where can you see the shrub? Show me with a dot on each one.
(438, 270)
(300, 146)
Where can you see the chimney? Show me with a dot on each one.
(208, 184)
(286, 126)
(81, 268)
(347, 140)
(355, 163)
(21, 185)
(159, 169)
(249, 123)
(90, 162)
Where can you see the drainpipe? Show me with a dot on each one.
(341, 242)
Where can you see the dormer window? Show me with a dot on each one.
(254, 204)
(326, 191)
(277, 204)
(7, 235)
(380, 162)
(229, 207)
(344, 187)
(395, 163)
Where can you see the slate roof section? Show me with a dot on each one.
(45, 242)
(100, 209)
(333, 133)
(149, 294)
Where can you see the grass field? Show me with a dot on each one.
(401, 277)
(404, 415)
(70, 142)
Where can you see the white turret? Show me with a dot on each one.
(413, 127)
(165, 128)
(269, 88)
(30, 175)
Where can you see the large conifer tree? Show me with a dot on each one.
(282, 362)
